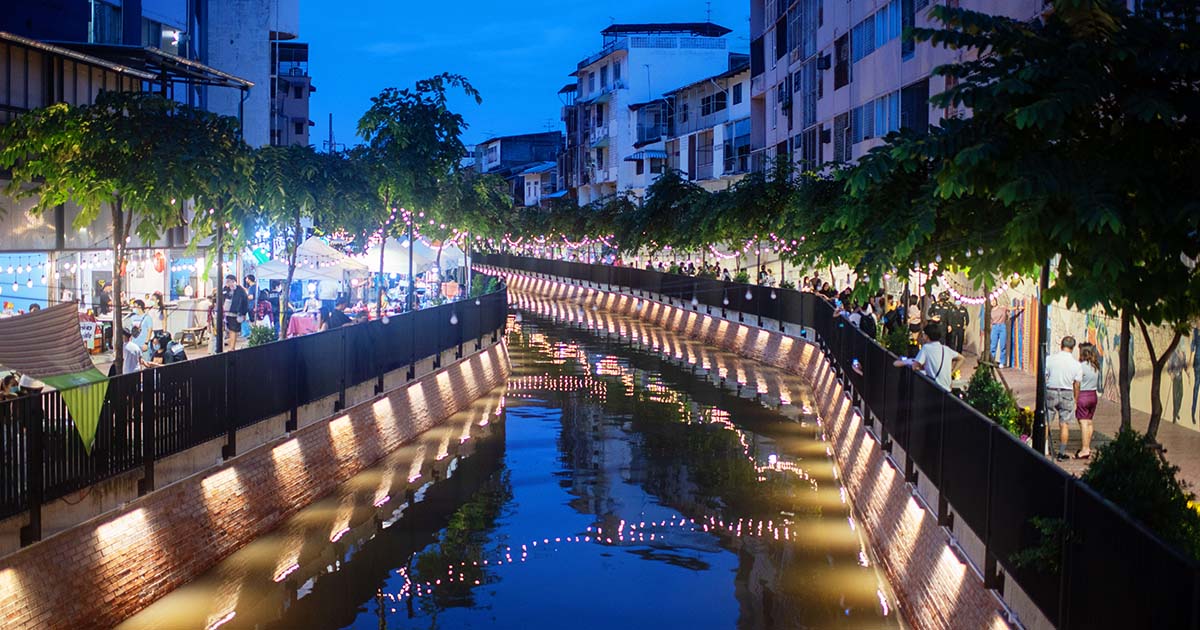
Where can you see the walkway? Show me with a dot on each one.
(1182, 444)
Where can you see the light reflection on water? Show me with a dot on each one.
(624, 477)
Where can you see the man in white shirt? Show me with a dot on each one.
(934, 359)
(1063, 374)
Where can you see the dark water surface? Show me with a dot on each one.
(624, 478)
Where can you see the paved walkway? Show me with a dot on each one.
(1182, 444)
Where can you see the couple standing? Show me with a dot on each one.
(1071, 386)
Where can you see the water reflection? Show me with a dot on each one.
(627, 477)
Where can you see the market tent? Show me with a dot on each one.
(316, 251)
(315, 260)
(395, 257)
(277, 269)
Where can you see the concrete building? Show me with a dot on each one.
(616, 87)
(710, 139)
(829, 78)
(291, 88)
(527, 161)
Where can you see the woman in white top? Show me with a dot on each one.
(1085, 404)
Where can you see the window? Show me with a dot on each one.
(757, 65)
(914, 106)
(736, 147)
(907, 21)
(810, 92)
(809, 157)
(683, 113)
(639, 167)
(616, 71)
(841, 68)
(841, 133)
(297, 91)
(299, 128)
(599, 114)
(600, 158)
(737, 93)
(658, 165)
(781, 40)
(591, 82)
(712, 103)
(604, 77)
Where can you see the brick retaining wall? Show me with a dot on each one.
(102, 571)
(937, 588)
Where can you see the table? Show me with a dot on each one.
(301, 324)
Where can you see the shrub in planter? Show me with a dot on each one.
(1129, 473)
(897, 341)
(991, 398)
(742, 276)
(260, 335)
(787, 284)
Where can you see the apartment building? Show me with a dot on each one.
(829, 78)
(619, 90)
(528, 162)
(709, 130)
(291, 88)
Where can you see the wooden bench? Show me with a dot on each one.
(193, 337)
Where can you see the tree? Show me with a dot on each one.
(1083, 130)
(413, 143)
(293, 184)
(137, 155)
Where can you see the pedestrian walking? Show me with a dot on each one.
(1085, 405)
(1063, 377)
(236, 306)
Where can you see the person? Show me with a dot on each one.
(10, 387)
(336, 317)
(725, 275)
(143, 322)
(264, 311)
(158, 315)
(999, 339)
(236, 307)
(132, 352)
(853, 314)
(106, 300)
(866, 322)
(913, 313)
(250, 283)
(1085, 402)
(1175, 369)
(312, 304)
(35, 307)
(1063, 376)
(959, 319)
(934, 359)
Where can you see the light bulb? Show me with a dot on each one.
(15, 286)
(386, 319)
(518, 317)
(29, 283)
(725, 300)
(477, 302)
(695, 302)
(749, 295)
(10, 269)
(453, 319)
(773, 296)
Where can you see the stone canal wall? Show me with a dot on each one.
(925, 565)
(104, 570)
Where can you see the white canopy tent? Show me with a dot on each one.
(315, 260)
(395, 257)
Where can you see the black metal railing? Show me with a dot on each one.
(1111, 572)
(157, 412)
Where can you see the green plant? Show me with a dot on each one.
(896, 342)
(742, 276)
(261, 335)
(787, 284)
(1129, 473)
(1047, 554)
(991, 398)
(481, 284)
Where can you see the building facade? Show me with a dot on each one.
(615, 93)
(528, 162)
(291, 88)
(709, 138)
(830, 78)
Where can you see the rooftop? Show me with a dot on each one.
(737, 64)
(162, 65)
(696, 29)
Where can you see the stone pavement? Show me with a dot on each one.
(1182, 444)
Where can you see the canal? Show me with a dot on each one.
(624, 477)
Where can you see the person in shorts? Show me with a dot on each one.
(1063, 375)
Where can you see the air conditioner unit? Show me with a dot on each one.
(824, 62)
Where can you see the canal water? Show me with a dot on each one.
(625, 477)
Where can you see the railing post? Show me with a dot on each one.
(294, 367)
(340, 404)
(35, 454)
(149, 432)
(992, 578)
(1064, 573)
(229, 451)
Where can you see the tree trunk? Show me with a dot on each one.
(382, 279)
(1124, 376)
(118, 226)
(219, 322)
(1157, 363)
(293, 250)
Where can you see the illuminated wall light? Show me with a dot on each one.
(336, 536)
(220, 621)
(282, 575)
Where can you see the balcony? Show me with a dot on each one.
(610, 48)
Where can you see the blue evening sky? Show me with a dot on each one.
(518, 54)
